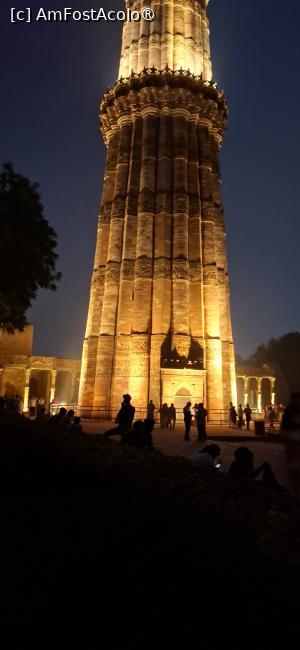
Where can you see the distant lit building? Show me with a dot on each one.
(56, 378)
(27, 375)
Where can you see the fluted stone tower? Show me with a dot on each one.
(159, 324)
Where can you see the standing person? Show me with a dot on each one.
(164, 416)
(291, 427)
(20, 405)
(233, 417)
(201, 415)
(150, 410)
(172, 417)
(248, 414)
(230, 415)
(41, 404)
(187, 416)
(271, 418)
(32, 407)
(280, 414)
(124, 418)
(35, 402)
(240, 417)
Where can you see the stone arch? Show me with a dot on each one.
(183, 392)
(182, 396)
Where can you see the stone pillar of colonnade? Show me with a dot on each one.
(26, 389)
(273, 394)
(259, 395)
(246, 390)
(52, 385)
(95, 351)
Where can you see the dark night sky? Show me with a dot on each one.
(52, 79)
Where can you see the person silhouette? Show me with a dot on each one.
(248, 414)
(201, 415)
(124, 418)
(172, 416)
(187, 417)
(150, 410)
(291, 428)
(207, 457)
(243, 468)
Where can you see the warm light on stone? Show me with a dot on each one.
(159, 324)
(177, 38)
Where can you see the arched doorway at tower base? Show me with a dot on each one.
(182, 386)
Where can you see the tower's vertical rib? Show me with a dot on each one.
(126, 294)
(180, 252)
(91, 342)
(195, 237)
(210, 276)
(105, 353)
(154, 37)
(161, 297)
(167, 22)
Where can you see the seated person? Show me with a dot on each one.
(243, 468)
(140, 434)
(76, 426)
(207, 457)
(124, 418)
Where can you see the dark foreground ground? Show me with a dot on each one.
(120, 548)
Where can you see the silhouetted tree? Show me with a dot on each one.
(27, 248)
(284, 353)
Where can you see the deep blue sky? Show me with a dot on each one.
(52, 79)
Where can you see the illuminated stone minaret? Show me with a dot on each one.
(159, 324)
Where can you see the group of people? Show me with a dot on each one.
(241, 416)
(15, 403)
(241, 468)
(10, 404)
(36, 406)
(135, 434)
(200, 414)
(274, 413)
(139, 434)
(236, 416)
(167, 416)
(66, 420)
(145, 427)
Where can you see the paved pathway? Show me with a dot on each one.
(173, 444)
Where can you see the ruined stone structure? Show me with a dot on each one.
(256, 386)
(27, 375)
(159, 324)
